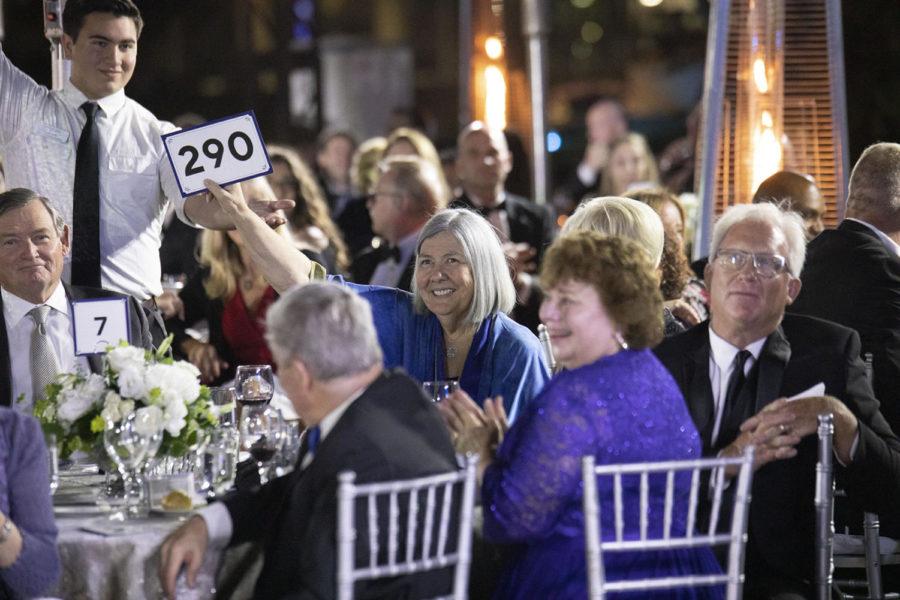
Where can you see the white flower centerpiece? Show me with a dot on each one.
(165, 393)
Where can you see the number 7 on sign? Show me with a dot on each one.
(226, 150)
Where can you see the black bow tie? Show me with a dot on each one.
(391, 253)
(488, 210)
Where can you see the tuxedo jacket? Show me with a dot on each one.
(800, 353)
(851, 278)
(390, 432)
(529, 223)
(139, 335)
(365, 263)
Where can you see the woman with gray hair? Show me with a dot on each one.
(454, 325)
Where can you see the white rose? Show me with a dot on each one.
(173, 417)
(74, 404)
(148, 420)
(125, 357)
(132, 383)
(174, 382)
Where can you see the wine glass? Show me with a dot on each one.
(437, 391)
(262, 435)
(126, 443)
(254, 384)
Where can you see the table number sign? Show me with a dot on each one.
(226, 150)
(99, 323)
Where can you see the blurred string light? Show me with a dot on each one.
(493, 47)
(554, 141)
(591, 32)
(650, 3)
(581, 50)
(582, 3)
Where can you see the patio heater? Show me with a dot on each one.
(773, 100)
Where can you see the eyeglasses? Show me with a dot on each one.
(767, 265)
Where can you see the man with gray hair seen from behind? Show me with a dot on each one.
(361, 418)
(753, 375)
(852, 273)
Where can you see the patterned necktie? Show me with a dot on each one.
(86, 203)
(43, 360)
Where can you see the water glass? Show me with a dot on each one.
(126, 444)
(290, 450)
(224, 399)
(52, 461)
(438, 390)
(254, 384)
(220, 461)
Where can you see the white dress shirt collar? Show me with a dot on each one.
(16, 308)
(890, 244)
(723, 352)
(330, 420)
(110, 105)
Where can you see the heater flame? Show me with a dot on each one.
(760, 78)
(494, 98)
(766, 150)
(493, 47)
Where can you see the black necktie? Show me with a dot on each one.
(391, 253)
(727, 431)
(86, 204)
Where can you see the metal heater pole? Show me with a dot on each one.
(53, 31)
(465, 62)
(535, 26)
(2, 30)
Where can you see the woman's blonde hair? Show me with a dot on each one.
(222, 256)
(424, 149)
(649, 173)
(621, 217)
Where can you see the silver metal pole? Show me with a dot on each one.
(838, 102)
(535, 26)
(2, 29)
(53, 31)
(711, 121)
(465, 62)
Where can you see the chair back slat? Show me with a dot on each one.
(668, 538)
(645, 492)
(824, 504)
(620, 519)
(669, 501)
(692, 501)
(411, 525)
(393, 497)
(719, 476)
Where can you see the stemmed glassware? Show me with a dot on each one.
(254, 384)
(262, 435)
(221, 453)
(127, 443)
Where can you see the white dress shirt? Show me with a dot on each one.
(18, 330)
(388, 272)
(39, 132)
(218, 520)
(721, 364)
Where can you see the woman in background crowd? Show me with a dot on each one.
(630, 165)
(310, 224)
(406, 141)
(679, 284)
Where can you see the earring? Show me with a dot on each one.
(620, 340)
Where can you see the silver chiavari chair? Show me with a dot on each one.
(867, 552)
(701, 470)
(435, 507)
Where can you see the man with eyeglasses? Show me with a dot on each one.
(738, 373)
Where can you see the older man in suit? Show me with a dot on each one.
(36, 333)
(852, 273)
(483, 163)
(737, 372)
(378, 424)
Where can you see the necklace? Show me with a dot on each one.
(451, 352)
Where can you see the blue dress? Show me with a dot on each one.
(505, 358)
(622, 408)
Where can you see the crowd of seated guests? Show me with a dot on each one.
(655, 362)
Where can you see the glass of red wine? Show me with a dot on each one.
(262, 435)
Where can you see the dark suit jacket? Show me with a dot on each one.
(367, 261)
(139, 335)
(390, 432)
(529, 223)
(800, 353)
(851, 278)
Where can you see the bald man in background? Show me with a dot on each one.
(797, 193)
